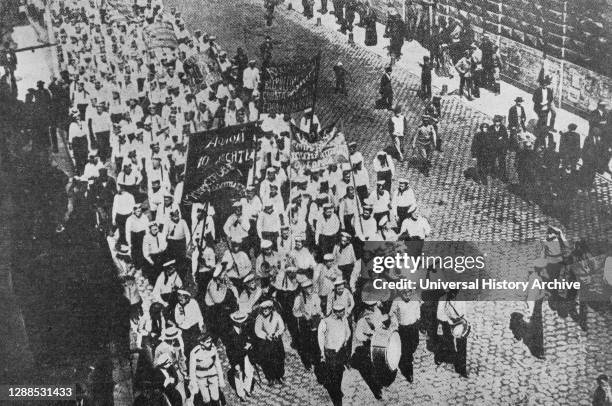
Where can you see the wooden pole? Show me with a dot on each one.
(353, 178)
(314, 98)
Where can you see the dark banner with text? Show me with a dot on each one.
(290, 88)
(218, 164)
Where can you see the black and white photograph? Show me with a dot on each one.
(306, 202)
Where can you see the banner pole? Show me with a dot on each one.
(352, 177)
(314, 96)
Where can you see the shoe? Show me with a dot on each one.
(410, 378)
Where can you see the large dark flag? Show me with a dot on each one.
(289, 88)
(218, 164)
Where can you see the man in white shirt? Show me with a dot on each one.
(405, 315)
(178, 237)
(123, 204)
(403, 201)
(333, 336)
(415, 227)
(154, 247)
(188, 317)
(250, 79)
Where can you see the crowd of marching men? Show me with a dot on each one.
(286, 261)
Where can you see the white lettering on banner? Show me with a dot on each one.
(237, 138)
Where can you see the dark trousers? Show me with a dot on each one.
(500, 164)
(477, 76)
(465, 84)
(177, 250)
(334, 366)
(79, 150)
(151, 272)
(136, 240)
(387, 100)
(426, 86)
(285, 299)
(326, 244)
(120, 222)
(402, 214)
(323, 9)
(82, 110)
(362, 192)
(270, 236)
(362, 362)
(308, 345)
(409, 336)
(103, 141)
(483, 168)
(348, 224)
(272, 358)
(387, 177)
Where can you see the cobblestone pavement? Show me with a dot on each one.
(501, 370)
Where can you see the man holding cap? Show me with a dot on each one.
(334, 336)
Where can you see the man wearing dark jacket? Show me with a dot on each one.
(386, 91)
(483, 153)
(516, 115)
(543, 103)
(569, 147)
(498, 135)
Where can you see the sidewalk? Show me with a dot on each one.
(413, 53)
(33, 66)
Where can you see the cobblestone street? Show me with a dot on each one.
(502, 372)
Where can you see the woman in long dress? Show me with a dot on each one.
(369, 22)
